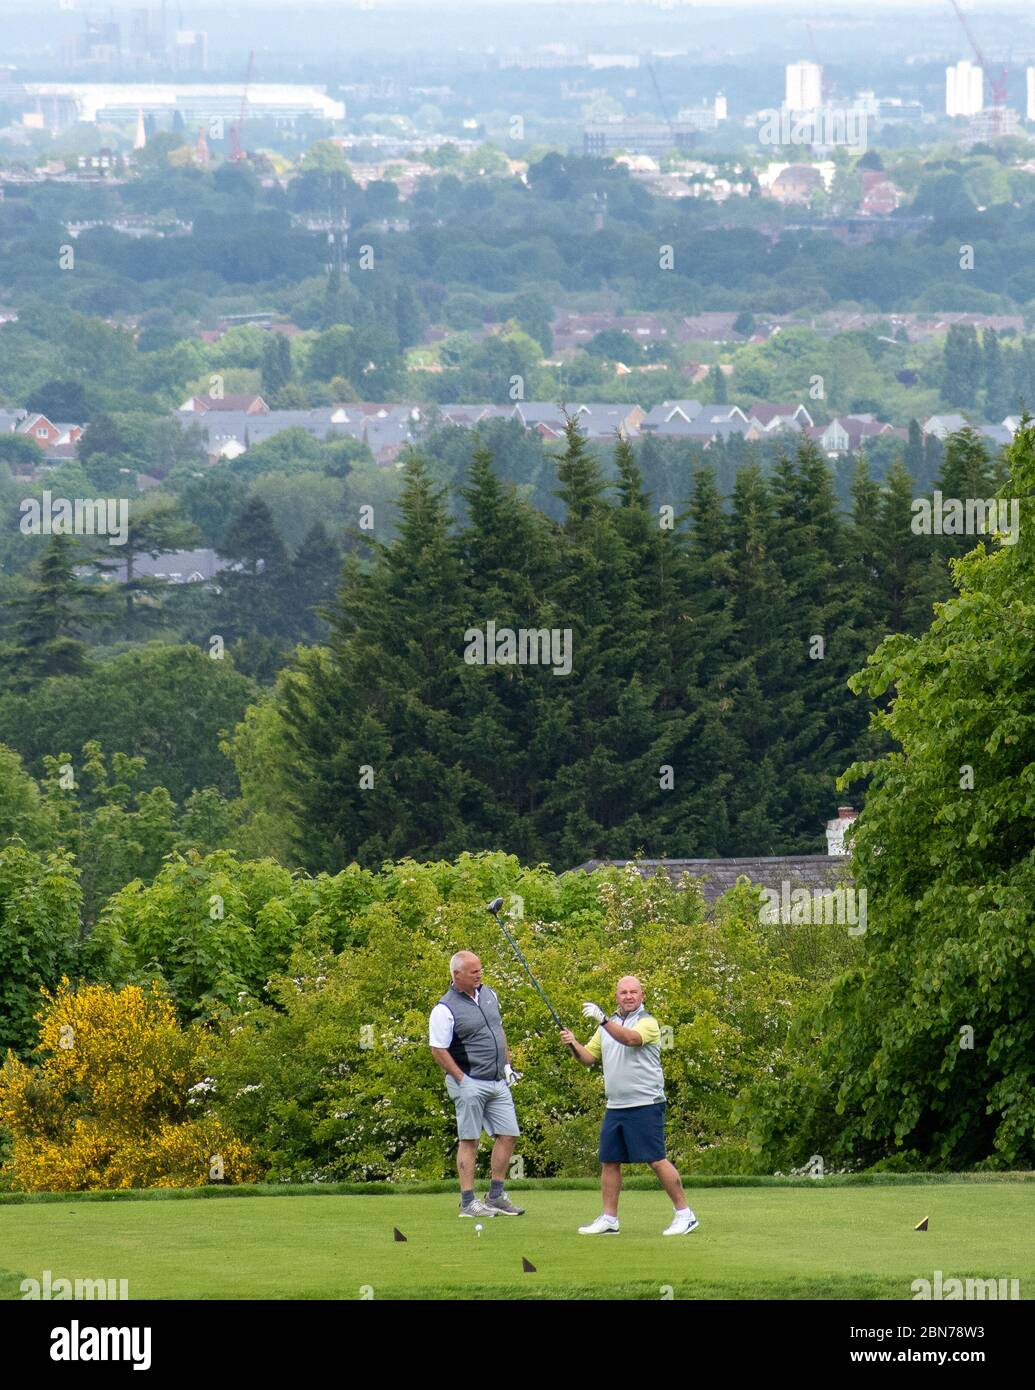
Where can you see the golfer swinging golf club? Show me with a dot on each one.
(467, 1040)
(628, 1043)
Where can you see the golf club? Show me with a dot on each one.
(494, 908)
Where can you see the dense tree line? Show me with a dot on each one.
(706, 711)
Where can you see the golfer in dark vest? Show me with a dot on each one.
(467, 1040)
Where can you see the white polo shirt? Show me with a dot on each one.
(632, 1075)
(440, 1024)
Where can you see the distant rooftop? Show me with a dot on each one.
(718, 876)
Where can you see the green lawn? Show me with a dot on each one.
(754, 1242)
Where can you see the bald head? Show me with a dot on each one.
(628, 994)
(466, 970)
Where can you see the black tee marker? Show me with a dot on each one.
(527, 1266)
(397, 1234)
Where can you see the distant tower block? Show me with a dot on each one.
(720, 108)
(201, 149)
(803, 90)
(964, 89)
(140, 138)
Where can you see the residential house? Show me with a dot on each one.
(245, 403)
(941, 426)
(998, 435)
(847, 433)
(660, 415)
(597, 420)
(713, 327)
(571, 331)
(772, 419)
(173, 566)
(880, 196)
(795, 184)
(386, 429)
(39, 428)
(711, 422)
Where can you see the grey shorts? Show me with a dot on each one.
(482, 1105)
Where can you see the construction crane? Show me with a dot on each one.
(237, 150)
(996, 82)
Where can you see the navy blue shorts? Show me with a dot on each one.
(636, 1135)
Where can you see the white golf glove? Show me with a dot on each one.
(593, 1011)
(510, 1076)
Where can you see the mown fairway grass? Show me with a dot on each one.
(816, 1241)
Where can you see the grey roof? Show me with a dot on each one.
(174, 566)
(712, 429)
(11, 419)
(458, 413)
(942, 425)
(662, 414)
(546, 412)
(718, 876)
(998, 434)
(380, 426)
(722, 413)
(222, 425)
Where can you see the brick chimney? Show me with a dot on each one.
(836, 829)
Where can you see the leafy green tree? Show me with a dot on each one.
(39, 936)
(49, 617)
(614, 344)
(135, 704)
(717, 382)
(64, 401)
(967, 472)
(116, 830)
(315, 571)
(364, 781)
(962, 369)
(276, 365)
(913, 457)
(21, 451)
(254, 586)
(23, 813)
(154, 527)
(921, 1054)
(996, 383)
(213, 929)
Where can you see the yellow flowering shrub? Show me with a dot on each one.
(109, 1102)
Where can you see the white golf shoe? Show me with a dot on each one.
(602, 1226)
(682, 1224)
(477, 1207)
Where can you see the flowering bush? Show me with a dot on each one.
(107, 1106)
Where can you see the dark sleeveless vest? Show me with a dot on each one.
(478, 1047)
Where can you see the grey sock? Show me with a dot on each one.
(466, 1198)
(496, 1188)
